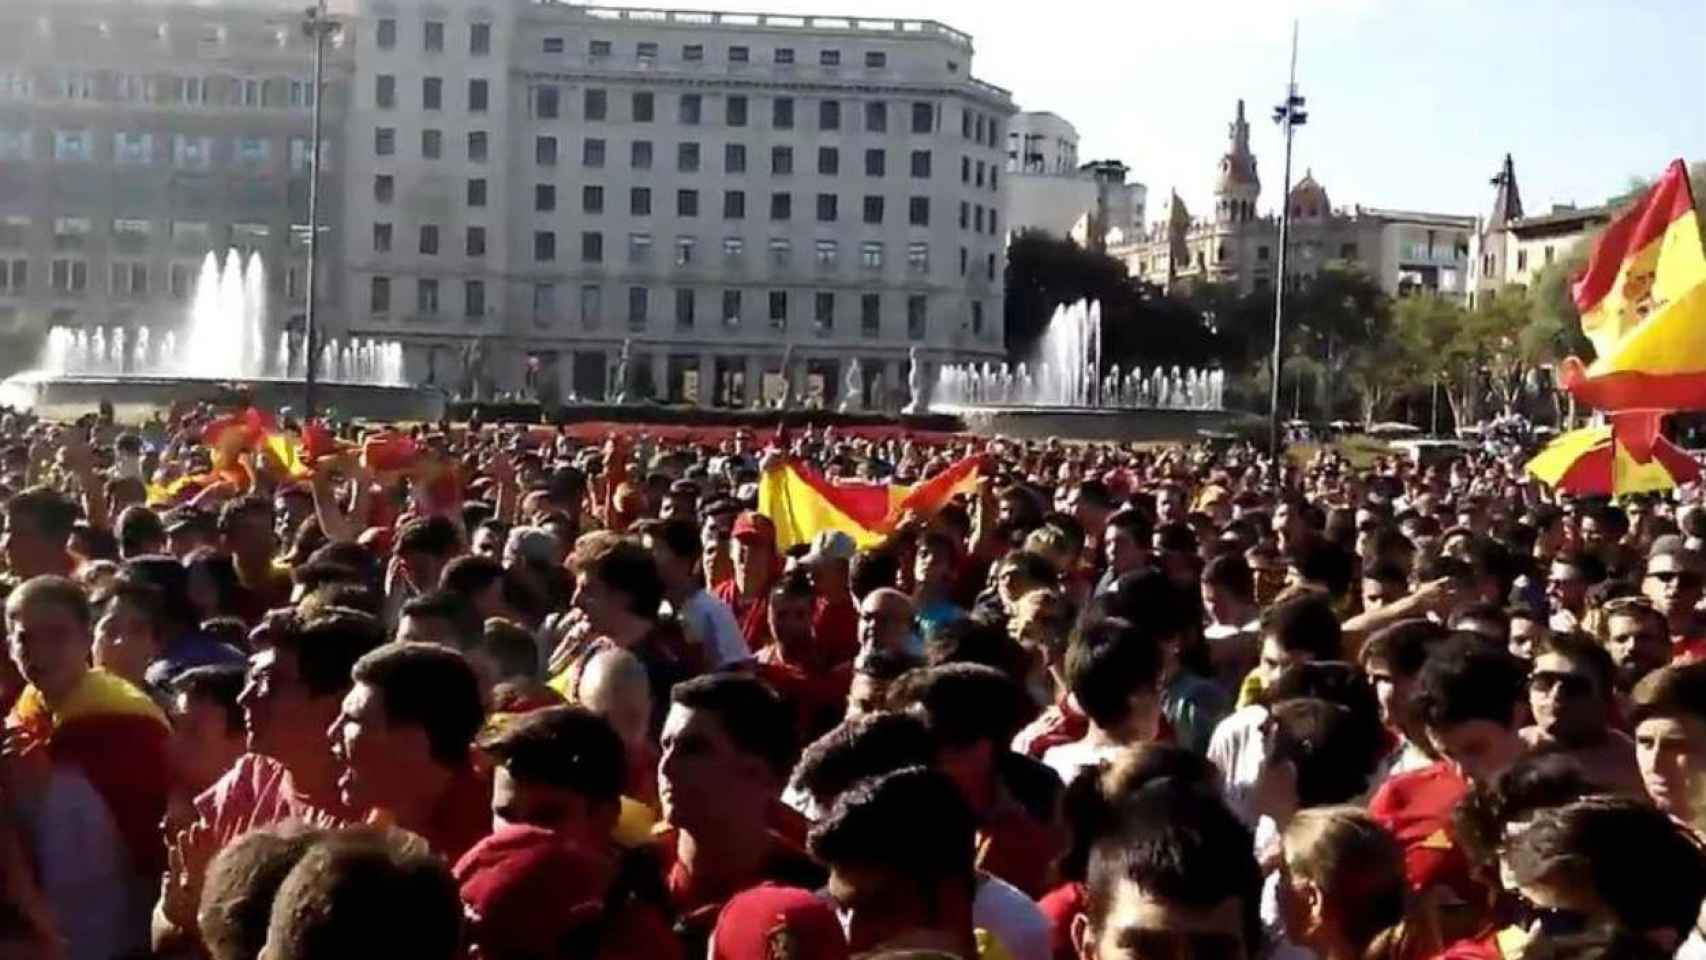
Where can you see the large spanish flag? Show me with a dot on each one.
(802, 502)
(1643, 305)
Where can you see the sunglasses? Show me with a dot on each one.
(1681, 577)
(1548, 921)
(1572, 685)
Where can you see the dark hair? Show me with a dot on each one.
(511, 648)
(625, 567)
(756, 720)
(677, 535)
(1091, 802)
(1646, 868)
(234, 511)
(567, 747)
(1403, 646)
(470, 574)
(1677, 691)
(1479, 611)
(219, 569)
(1107, 662)
(974, 641)
(1468, 678)
(1032, 566)
(1324, 562)
(236, 899)
(1332, 749)
(1584, 650)
(351, 596)
(447, 605)
(143, 596)
(428, 686)
(1230, 572)
(139, 531)
(795, 585)
(872, 570)
(1304, 624)
(858, 748)
(315, 574)
(1386, 571)
(45, 509)
(47, 588)
(963, 703)
(912, 821)
(1181, 846)
(1584, 563)
(884, 665)
(367, 893)
(1536, 781)
(218, 684)
(1154, 602)
(432, 535)
(351, 556)
(1134, 522)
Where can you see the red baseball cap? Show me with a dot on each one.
(770, 922)
(754, 524)
(524, 888)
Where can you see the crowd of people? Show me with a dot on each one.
(520, 697)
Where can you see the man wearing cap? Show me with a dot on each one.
(753, 550)
(772, 922)
(835, 622)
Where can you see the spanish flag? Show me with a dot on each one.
(1643, 305)
(803, 503)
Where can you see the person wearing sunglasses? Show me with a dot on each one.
(1673, 584)
(1570, 696)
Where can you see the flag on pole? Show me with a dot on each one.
(802, 503)
(1643, 306)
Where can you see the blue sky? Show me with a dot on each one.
(1412, 104)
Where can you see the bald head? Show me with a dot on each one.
(885, 621)
(614, 685)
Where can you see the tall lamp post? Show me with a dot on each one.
(318, 27)
(1289, 115)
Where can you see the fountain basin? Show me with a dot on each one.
(1093, 424)
(57, 396)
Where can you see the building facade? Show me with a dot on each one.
(1404, 251)
(1049, 190)
(1510, 247)
(726, 200)
(137, 137)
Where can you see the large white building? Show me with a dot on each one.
(1513, 247)
(720, 193)
(1049, 190)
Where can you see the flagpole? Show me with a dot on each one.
(1290, 115)
(319, 26)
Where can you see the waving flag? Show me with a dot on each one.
(802, 502)
(1643, 305)
(1600, 460)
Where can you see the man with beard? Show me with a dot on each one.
(1637, 636)
(1570, 696)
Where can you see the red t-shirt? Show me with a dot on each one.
(752, 615)
(1060, 724)
(1060, 906)
(1018, 849)
(835, 624)
(461, 818)
(257, 792)
(819, 697)
(1416, 807)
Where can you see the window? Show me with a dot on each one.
(917, 315)
(555, 45)
(544, 197)
(965, 169)
(734, 205)
(639, 246)
(384, 188)
(598, 48)
(875, 162)
(252, 152)
(826, 203)
(782, 113)
(475, 242)
(545, 303)
(1522, 260)
(918, 257)
(434, 36)
(477, 192)
(596, 104)
(132, 149)
(426, 297)
(781, 251)
(385, 91)
(778, 310)
(977, 318)
(684, 309)
(733, 247)
(473, 299)
(479, 95)
(740, 54)
(432, 93)
(876, 117)
(965, 215)
(640, 201)
(989, 266)
(592, 306)
(645, 106)
(17, 145)
(977, 179)
(736, 111)
(640, 155)
(992, 221)
(829, 115)
(379, 295)
(15, 277)
(432, 144)
(923, 118)
(918, 211)
(384, 141)
(429, 240)
(871, 255)
(547, 102)
(781, 160)
(692, 108)
(479, 39)
(127, 279)
(479, 145)
(687, 203)
(385, 35)
(646, 50)
(1262, 253)
(734, 158)
(876, 59)
(921, 164)
(731, 308)
(965, 124)
(784, 55)
(592, 247)
(687, 158)
(638, 307)
(544, 246)
(823, 313)
(978, 128)
(592, 152)
(684, 250)
(977, 219)
(70, 276)
(873, 209)
(592, 199)
(828, 251)
(871, 314)
(693, 53)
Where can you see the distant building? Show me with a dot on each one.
(1509, 247)
(1049, 190)
(1405, 251)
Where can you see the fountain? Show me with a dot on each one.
(224, 342)
(1064, 383)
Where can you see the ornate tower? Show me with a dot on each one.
(1237, 187)
(1489, 249)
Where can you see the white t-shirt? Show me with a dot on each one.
(1069, 759)
(1012, 917)
(1238, 749)
(710, 622)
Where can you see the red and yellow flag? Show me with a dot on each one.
(803, 503)
(1643, 305)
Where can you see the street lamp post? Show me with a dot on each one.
(1289, 115)
(318, 27)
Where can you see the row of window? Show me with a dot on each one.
(547, 104)
(127, 279)
(73, 233)
(432, 36)
(260, 93)
(779, 306)
(132, 148)
(647, 51)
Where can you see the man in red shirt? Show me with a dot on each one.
(835, 622)
(403, 737)
(753, 551)
(796, 665)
